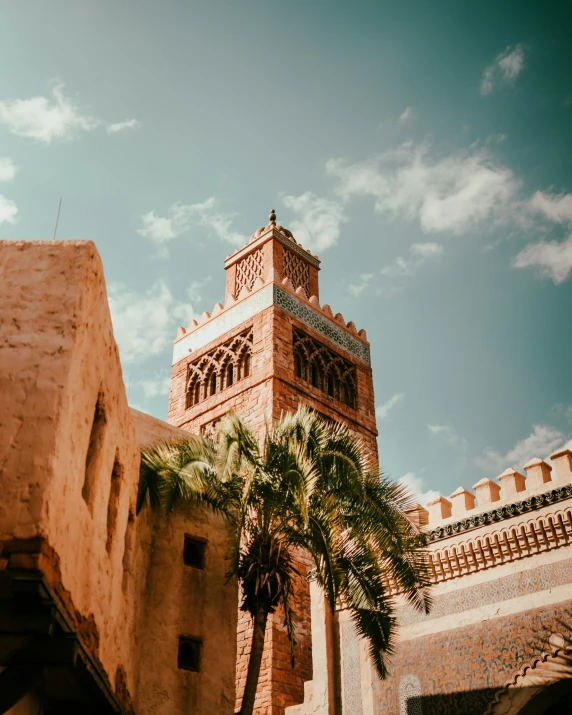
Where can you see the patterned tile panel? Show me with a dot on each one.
(351, 670)
(523, 583)
(310, 317)
(461, 671)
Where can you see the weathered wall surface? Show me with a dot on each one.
(69, 464)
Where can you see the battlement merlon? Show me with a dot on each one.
(513, 487)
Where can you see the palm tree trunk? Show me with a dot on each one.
(254, 661)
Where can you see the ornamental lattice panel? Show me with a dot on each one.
(297, 270)
(248, 270)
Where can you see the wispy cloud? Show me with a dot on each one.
(156, 387)
(543, 440)
(382, 411)
(555, 207)
(504, 70)
(181, 217)
(406, 115)
(551, 259)
(318, 221)
(145, 323)
(417, 487)
(357, 289)
(121, 126)
(8, 208)
(419, 254)
(7, 169)
(46, 118)
(453, 194)
(448, 435)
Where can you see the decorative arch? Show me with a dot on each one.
(324, 369)
(219, 369)
(534, 687)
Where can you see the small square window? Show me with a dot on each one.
(189, 655)
(194, 552)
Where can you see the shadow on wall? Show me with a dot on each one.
(556, 699)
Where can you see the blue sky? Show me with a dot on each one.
(422, 149)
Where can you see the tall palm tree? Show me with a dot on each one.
(308, 486)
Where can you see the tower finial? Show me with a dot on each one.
(272, 217)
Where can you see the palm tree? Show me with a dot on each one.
(307, 487)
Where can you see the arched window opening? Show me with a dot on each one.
(297, 366)
(324, 369)
(314, 375)
(331, 386)
(213, 384)
(246, 365)
(218, 369)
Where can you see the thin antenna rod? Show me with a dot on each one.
(57, 219)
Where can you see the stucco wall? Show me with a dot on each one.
(69, 465)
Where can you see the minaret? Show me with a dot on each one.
(272, 346)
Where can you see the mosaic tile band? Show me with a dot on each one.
(311, 318)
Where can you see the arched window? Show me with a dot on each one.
(246, 365)
(197, 392)
(314, 375)
(229, 375)
(213, 384)
(331, 385)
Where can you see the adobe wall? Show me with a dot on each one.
(69, 465)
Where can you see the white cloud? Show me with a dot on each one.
(7, 169)
(145, 324)
(540, 443)
(364, 280)
(406, 115)
(8, 210)
(448, 434)
(45, 119)
(416, 486)
(550, 258)
(382, 411)
(318, 221)
(557, 208)
(419, 254)
(451, 194)
(504, 70)
(181, 217)
(156, 387)
(121, 126)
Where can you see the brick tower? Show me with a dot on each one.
(272, 346)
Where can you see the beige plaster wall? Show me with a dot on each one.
(120, 578)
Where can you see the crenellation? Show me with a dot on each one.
(439, 509)
(512, 483)
(538, 473)
(463, 501)
(562, 460)
(488, 492)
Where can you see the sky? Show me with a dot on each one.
(423, 150)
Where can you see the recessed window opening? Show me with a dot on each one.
(194, 552)
(213, 384)
(314, 375)
(330, 386)
(94, 450)
(113, 503)
(246, 366)
(230, 375)
(189, 654)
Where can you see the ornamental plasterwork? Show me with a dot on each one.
(410, 696)
(297, 270)
(310, 317)
(248, 270)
